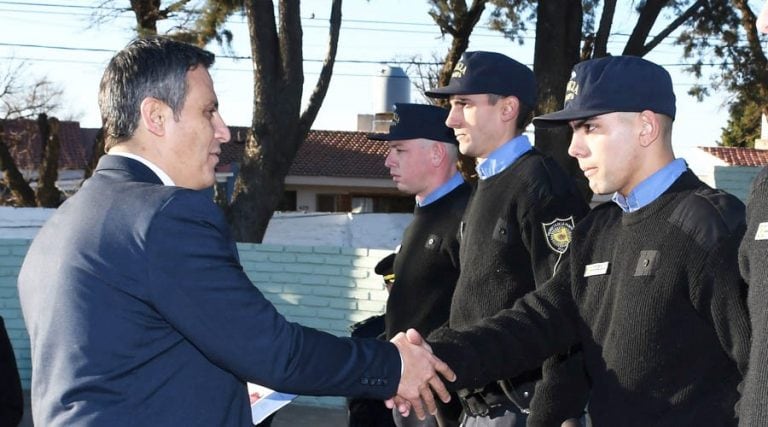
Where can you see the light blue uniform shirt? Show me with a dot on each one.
(448, 186)
(652, 187)
(502, 157)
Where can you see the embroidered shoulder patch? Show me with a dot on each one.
(558, 233)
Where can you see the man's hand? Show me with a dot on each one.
(419, 379)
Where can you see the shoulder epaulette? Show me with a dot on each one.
(708, 215)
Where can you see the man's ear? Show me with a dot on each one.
(510, 108)
(154, 115)
(650, 128)
(437, 153)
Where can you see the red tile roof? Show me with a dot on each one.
(23, 142)
(324, 153)
(737, 156)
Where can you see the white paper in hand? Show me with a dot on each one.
(265, 401)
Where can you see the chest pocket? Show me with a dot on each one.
(647, 263)
(501, 231)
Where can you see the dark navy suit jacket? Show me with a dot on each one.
(140, 314)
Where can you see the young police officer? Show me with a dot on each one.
(753, 260)
(515, 232)
(422, 161)
(651, 290)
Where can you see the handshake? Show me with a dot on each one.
(419, 380)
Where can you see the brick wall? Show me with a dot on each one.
(11, 255)
(327, 288)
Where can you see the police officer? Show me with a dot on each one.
(515, 232)
(651, 288)
(754, 269)
(422, 161)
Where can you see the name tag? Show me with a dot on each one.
(762, 231)
(596, 269)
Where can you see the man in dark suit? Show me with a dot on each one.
(136, 304)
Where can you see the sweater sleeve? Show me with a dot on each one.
(719, 295)
(547, 226)
(539, 325)
(563, 391)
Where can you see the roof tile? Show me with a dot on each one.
(347, 154)
(23, 142)
(738, 156)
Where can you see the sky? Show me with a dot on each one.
(60, 40)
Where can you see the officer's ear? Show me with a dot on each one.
(510, 108)
(650, 128)
(154, 113)
(437, 153)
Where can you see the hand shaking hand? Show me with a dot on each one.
(420, 377)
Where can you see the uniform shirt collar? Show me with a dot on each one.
(502, 157)
(652, 187)
(448, 186)
(156, 169)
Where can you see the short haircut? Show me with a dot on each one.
(525, 113)
(148, 67)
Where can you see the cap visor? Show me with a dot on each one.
(562, 117)
(446, 91)
(380, 136)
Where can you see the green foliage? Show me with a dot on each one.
(510, 16)
(724, 40)
(743, 126)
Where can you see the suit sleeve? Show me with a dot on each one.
(200, 288)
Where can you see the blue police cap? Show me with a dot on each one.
(614, 84)
(412, 121)
(490, 72)
(386, 266)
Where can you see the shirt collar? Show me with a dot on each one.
(502, 157)
(448, 186)
(156, 169)
(652, 187)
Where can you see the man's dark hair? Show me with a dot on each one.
(148, 67)
(524, 116)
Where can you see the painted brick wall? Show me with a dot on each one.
(736, 180)
(327, 288)
(11, 255)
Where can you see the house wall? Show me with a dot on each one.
(306, 200)
(736, 180)
(327, 288)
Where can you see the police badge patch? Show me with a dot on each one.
(558, 233)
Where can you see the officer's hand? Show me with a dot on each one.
(420, 376)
